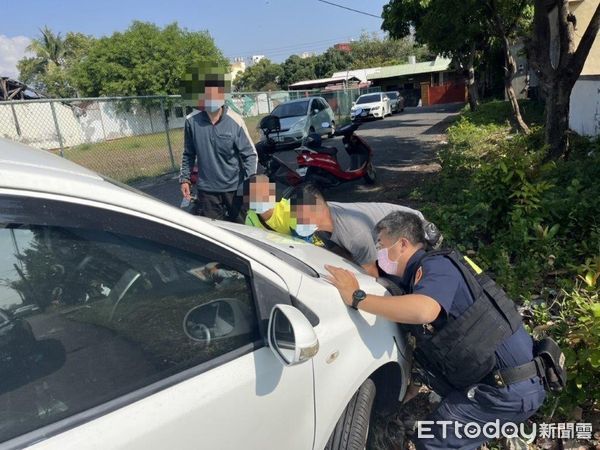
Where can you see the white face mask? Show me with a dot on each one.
(261, 207)
(213, 105)
(305, 229)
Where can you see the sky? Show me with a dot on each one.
(241, 28)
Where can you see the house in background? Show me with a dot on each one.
(432, 82)
(584, 115)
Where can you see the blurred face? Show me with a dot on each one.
(212, 99)
(261, 190)
(311, 214)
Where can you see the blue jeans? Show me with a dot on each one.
(481, 404)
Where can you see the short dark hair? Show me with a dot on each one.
(402, 224)
(306, 194)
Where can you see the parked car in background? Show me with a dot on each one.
(375, 105)
(396, 101)
(158, 329)
(301, 117)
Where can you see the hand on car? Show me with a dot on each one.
(185, 190)
(345, 282)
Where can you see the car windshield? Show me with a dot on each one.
(292, 109)
(392, 95)
(368, 99)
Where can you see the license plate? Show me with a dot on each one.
(302, 171)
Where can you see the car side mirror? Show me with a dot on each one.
(291, 336)
(315, 111)
(353, 103)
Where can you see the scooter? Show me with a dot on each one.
(317, 164)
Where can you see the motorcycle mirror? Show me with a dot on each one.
(270, 123)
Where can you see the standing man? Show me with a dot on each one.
(480, 353)
(217, 140)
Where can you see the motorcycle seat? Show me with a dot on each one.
(331, 151)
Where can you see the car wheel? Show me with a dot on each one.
(371, 175)
(352, 429)
(332, 133)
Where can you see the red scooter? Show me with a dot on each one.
(317, 164)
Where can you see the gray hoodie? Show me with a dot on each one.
(224, 152)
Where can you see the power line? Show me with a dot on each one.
(350, 9)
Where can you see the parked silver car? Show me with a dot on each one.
(396, 101)
(304, 116)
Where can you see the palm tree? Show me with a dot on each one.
(49, 48)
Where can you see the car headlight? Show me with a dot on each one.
(376, 107)
(300, 125)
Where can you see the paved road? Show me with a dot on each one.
(404, 153)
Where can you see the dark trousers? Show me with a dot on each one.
(219, 205)
(482, 404)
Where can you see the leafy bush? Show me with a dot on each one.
(534, 225)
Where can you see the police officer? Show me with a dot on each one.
(438, 292)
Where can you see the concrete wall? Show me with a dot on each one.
(583, 10)
(87, 122)
(584, 115)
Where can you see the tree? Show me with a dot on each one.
(50, 69)
(264, 75)
(143, 60)
(559, 70)
(371, 51)
(461, 35)
(505, 17)
(297, 69)
(333, 60)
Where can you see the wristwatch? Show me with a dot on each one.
(358, 296)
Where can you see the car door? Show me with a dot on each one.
(315, 115)
(324, 116)
(139, 336)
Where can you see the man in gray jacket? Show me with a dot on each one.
(217, 139)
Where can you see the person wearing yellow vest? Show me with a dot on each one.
(264, 211)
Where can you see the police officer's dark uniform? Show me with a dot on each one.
(437, 277)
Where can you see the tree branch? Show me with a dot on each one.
(565, 34)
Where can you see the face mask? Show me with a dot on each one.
(212, 105)
(305, 229)
(385, 263)
(261, 207)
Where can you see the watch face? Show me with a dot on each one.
(359, 295)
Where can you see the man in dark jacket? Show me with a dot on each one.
(217, 140)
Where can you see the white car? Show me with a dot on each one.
(156, 329)
(304, 116)
(376, 105)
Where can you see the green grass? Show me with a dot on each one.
(136, 158)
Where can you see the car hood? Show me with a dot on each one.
(367, 105)
(311, 255)
(289, 122)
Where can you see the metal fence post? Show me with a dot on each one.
(268, 102)
(166, 122)
(14, 113)
(60, 141)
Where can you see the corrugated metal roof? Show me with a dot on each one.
(323, 80)
(439, 65)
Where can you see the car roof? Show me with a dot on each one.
(372, 93)
(303, 99)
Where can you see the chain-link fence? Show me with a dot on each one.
(134, 138)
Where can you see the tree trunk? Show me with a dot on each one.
(509, 73)
(557, 119)
(471, 82)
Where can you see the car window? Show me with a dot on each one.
(293, 109)
(324, 104)
(392, 95)
(91, 314)
(369, 99)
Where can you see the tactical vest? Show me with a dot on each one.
(460, 351)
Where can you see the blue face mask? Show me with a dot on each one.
(212, 105)
(305, 229)
(261, 207)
